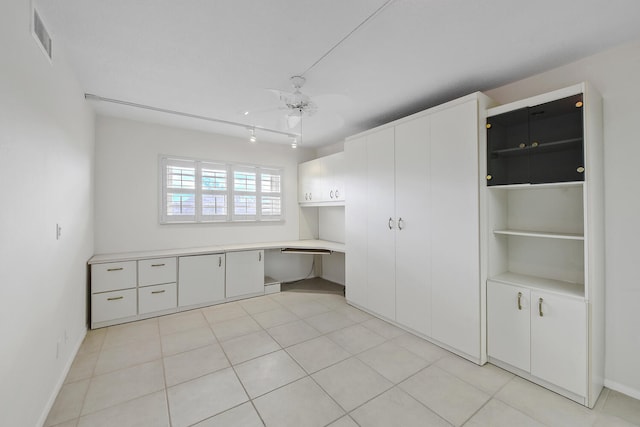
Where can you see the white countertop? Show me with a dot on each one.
(295, 244)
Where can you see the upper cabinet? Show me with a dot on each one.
(537, 144)
(321, 181)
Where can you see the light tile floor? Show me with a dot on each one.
(299, 359)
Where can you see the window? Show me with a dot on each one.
(204, 191)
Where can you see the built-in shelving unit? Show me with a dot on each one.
(545, 274)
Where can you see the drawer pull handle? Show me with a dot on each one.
(115, 298)
(337, 194)
(157, 265)
(519, 300)
(219, 261)
(540, 307)
(115, 269)
(259, 256)
(158, 292)
(331, 194)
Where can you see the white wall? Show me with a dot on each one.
(615, 73)
(46, 156)
(127, 155)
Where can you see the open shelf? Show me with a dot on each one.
(540, 186)
(541, 283)
(541, 234)
(546, 146)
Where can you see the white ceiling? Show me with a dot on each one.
(216, 58)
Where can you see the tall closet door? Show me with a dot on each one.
(356, 221)
(455, 263)
(413, 249)
(381, 223)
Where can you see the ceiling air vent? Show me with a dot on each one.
(41, 33)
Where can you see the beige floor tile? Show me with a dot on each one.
(250, 346)
(488, 378)
(149, 410)
(194, 363)
(180, 322)
(82, 366)
(124, 356)
(131, 332)
(235, 327)
(204, 397)
(622, 406)
(396, 408)
(345, 421)
(187, 340)
(329, 321)
(268, 372)
(423, 348)
(333, 301)
(259, 304)
(278, 316)
(446, 395)
(351, 383)
(120, 386)
(497, 414)
(606, 420)
(68, 403)
(93, 341)
(223, 312)
(355, 339)
(543, 405)
(293, 333)
(354, 314)
(393, 362)
(310, 308)
(317, 353)
(71, 423)
(299, 404)
(383, 328)
(244, 415)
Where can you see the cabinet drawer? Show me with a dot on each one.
(156, 271)
(113, 276)
(157, 298)
(113, 305)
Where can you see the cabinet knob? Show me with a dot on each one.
(488, 125)
(579, 104)
(522, 145)
(580, 169)
(489, 177)
(535, 144)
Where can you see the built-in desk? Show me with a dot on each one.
(138, 285)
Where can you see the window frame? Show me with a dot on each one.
(230, 193)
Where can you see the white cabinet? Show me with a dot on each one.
(113, 292)
(545, 240)
(541, 333)
(414, 205)
(157, 298)
(156, 271)
(201, 279)
(244, 273)
(355, 212)
(321, 181)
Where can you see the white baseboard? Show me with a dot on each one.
(60, 383)
(622, 389)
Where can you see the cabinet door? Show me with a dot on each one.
(508, 148)
(413, 252)
(455, 256)
(201, 279)
(508, 320)
(334, 180)
(381, 223)
(559, 341)
(245, 273)
(304, 181)
(355, 213)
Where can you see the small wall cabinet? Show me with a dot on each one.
(545, 240)
(321, 181)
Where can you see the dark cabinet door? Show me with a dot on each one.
(537, 145)
(507, 140)
(556, 132)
